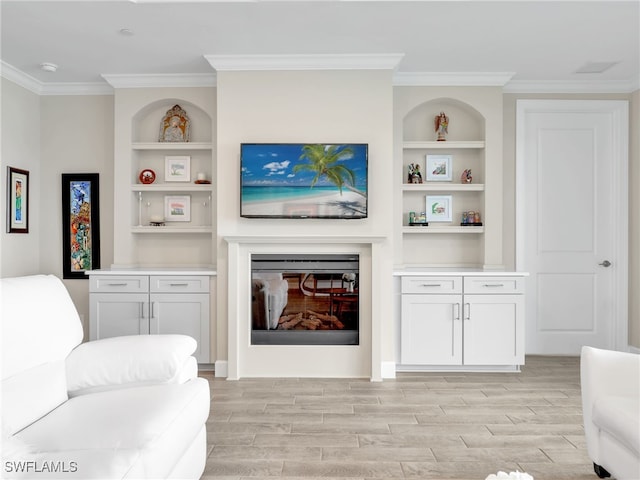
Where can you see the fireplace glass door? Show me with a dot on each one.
(305, 299)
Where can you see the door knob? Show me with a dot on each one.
(606, 263)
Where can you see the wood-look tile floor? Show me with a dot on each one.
(420, 426)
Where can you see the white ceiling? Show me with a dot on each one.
(540, 42)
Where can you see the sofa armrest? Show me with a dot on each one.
(605, 373)
(128, 361)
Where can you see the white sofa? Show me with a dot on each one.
(123, 407)
(611, 409)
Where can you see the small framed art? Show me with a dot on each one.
(439, 208)
(177, 208)
(17, 200)
(80, 224)
(177, 168)
(439, 168)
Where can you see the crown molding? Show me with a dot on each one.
(452, 79)
(161, 80)
(305, 62)
(36, 86)
(571, 86)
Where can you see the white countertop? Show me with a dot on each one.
(140, 270)
(451, 272)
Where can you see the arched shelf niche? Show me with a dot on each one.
(466, 123)
(145, 124)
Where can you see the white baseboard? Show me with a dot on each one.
(388, 369)
(221, 368)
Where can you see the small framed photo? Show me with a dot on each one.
(439, 208)
(177, 208)
(177, 168)
(17, 200)
(439, 168)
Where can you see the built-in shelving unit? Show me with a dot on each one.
(443, 243)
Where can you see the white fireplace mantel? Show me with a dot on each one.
(250, 360)
(305, 239)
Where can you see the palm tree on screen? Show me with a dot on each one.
(325, 161)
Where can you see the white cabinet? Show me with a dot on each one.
(151, 304)
(462, 320)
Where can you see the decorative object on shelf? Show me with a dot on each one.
(177, 168)
(177, 208)
(350, 280)
(439, 168)
(414, 173)
(466, 176)
(418, 220)
(201, 179)
(442, 126)
(439, 208)
(156, 221)
(175, 126)
(17, 200)
(471, 219)
(147, 176)
(80, 224)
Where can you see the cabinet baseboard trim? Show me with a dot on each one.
(221, 368)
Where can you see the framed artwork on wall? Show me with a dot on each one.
(439, 168)
(80, 224)
(17, 200)
(439, 208)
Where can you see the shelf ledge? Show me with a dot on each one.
(172, 146)
(168, 229)
(447, 145)
(443, 187)
(432, 229)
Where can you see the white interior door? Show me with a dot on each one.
(572, 223)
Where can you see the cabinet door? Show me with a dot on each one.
(116, 314)
(186, 314)
(493, 329)
(431, 330)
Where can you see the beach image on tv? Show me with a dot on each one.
(304, 180)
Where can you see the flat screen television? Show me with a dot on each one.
(303, 180)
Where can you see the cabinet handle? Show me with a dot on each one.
(178, 284)
(457, 313)
(142, 305)
(153, 310)
(467, 309)
(430, 284)
(116, 284)
(495, 285)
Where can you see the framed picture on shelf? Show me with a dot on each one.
(177, 208)
(17, 200)
(177, 168)
(80, 224)
(439, 168)
(439, 208)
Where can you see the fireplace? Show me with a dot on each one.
(305, 299)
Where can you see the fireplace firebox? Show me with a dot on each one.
(305, 299)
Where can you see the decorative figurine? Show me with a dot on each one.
(414, 173)
(466, 176)
(442, 126)
(175, 126)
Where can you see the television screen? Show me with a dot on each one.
(295, 180)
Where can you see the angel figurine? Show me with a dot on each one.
(442, 124)
(466, 176)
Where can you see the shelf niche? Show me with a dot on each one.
(443, 243)
(183, 243)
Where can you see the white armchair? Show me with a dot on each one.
(611, 411)
(123, 407)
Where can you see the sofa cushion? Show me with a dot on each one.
(40, 323)
(135, 359)
(32, 394)
(139, 429)
(619, 416)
